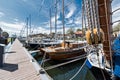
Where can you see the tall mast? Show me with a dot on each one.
(50, 22)
(55, 19)
(63, 21)
(105, 24)
(27, 28)
(30, 24)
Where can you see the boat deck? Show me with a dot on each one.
(17, 65)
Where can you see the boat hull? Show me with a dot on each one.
(35, 46)
(66, 55)
(98, 72)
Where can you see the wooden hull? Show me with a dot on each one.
(66, 55)
(70, 51)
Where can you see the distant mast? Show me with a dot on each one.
(27, 29)
(30, 24)
(50, 23)
(63, 21)
(55, 19)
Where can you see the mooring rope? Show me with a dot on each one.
(78, 71)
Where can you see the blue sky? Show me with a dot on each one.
(13, 14)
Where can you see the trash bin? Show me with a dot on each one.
(1, 54)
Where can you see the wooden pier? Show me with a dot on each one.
(19, 66)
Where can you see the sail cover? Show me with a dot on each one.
(116, 56)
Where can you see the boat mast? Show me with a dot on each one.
(63, 21)
(104, 7)
(50, 23)
(30, 24)
(55, 19)
(27, 28)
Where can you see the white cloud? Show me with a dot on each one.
(16, 20)
(116, 15)
(17, 26)
(1, 14)
(78, 20)
(12, 27)
(53, 18)
(41, 30)
(71, 9)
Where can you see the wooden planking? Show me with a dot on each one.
(17, 65)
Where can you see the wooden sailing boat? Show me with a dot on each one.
(100, 53)
(67, 50)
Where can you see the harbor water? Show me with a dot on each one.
(66, 72)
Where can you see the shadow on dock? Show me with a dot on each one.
(9, 67)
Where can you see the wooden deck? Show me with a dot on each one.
(17, 65)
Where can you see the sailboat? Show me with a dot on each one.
(67, 50)
(39, 42)
(98, 37)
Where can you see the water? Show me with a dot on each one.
(67, 71)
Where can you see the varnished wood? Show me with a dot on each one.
(106, 28)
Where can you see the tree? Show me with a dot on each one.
(116, 28)
(70, 31)
(52, 35)
(5, 34)
(78, 30)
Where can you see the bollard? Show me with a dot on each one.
(1, 54)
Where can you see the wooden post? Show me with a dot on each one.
(1, 54)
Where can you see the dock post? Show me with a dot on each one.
(1, 54)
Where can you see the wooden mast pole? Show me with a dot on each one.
(27, 29)
(50, 23)
(55, 19)
(105, 23)
(63, 22)
(30, 24)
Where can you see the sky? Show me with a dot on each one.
(13, 14)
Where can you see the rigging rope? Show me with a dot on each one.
(93, 21)
(42, 61)
(97, 19)
(78, 70)
(84, 16)
(99, 62)
(92, 13)
(90, 20)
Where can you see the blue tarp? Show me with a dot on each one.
(116, 56)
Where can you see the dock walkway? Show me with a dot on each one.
(17, 65)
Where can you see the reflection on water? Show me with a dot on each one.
(67, 71)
